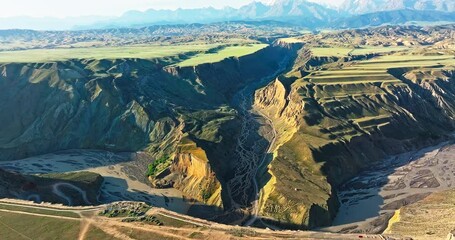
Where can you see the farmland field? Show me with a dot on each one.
(373, 49)
(145, 52)
(331, 51)
(343, 51)
(234, 51)
(194, 54)
(377, 69)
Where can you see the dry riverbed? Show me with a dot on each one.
(123, 179)
(369, 200)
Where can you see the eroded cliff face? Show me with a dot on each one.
(133, 105)
(50, 107)
(328, 132)
(190, 172)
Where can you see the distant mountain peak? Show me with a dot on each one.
(310, 14)
(369, 6)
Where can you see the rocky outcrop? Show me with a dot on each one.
(190, 172)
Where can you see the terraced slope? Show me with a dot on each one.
(337, 115)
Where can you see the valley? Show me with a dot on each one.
(371, 199)
(122, 180)
(335, 133)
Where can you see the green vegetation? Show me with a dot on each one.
(402, 61)
(145, 219)
(376, 70)
(361, 50)
(331, 51)
(204, 53)
(374, 49)
(208, 191)
(196, 235)
(291, 40)
(39, 211)
(158, 165)
(143, 235)
(242, 232)
(144, 52)
(233, 51)
(125, 210)
(96, 233)
(20, 226)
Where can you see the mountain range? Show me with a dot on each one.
(369, 6)
(300, 12)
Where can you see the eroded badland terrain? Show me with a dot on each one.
(345, 133)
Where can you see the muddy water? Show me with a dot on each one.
(368, 200)
(120, 183)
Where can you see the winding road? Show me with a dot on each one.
(56, 190)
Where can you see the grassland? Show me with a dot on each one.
(191, 54)
(345, 51)
(407, 58)
(373, 49)
(96, 233)
(39, 211)
(167, 221)
(377, 69)
(331, 51)
(232, 51)
(144, 52)
(19, 226)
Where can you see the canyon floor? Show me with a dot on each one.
(122, 180)
(269, 136)
(369, 200)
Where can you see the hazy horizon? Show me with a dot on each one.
(64, 9)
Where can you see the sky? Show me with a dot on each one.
(72, 8)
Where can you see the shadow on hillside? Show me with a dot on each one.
(360, 197)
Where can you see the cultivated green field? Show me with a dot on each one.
(373, 49)
(376, 70)
(362, 50)
(144, 52)
(409, 58)
(194, 54)
(234, 51)
(331, 51)
(405, 61)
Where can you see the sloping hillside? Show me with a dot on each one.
(336, 115)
